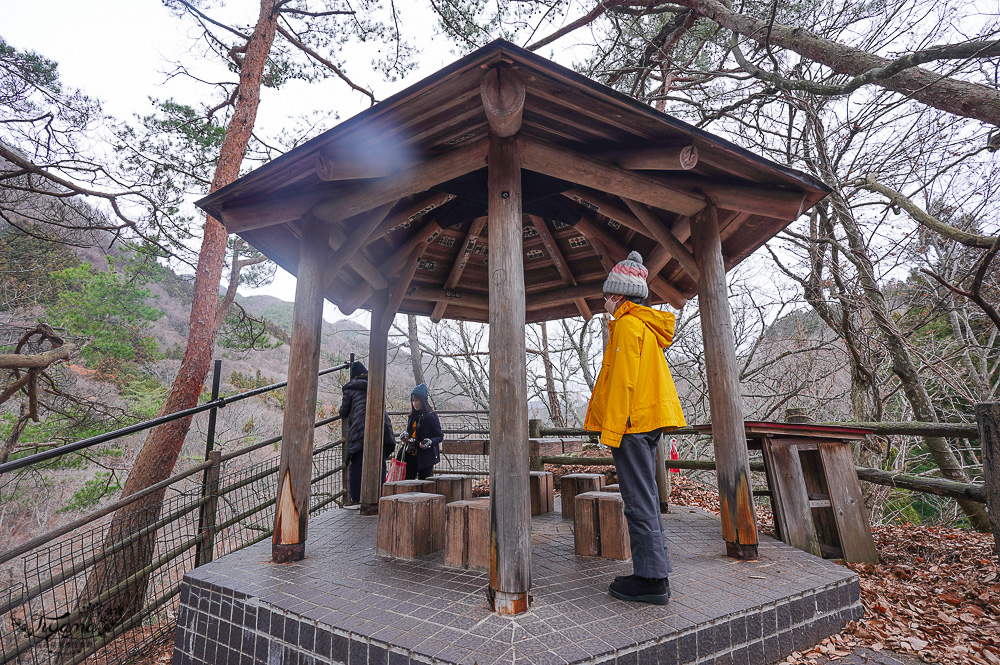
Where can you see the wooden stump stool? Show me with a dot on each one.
(578, 483)
(467, 534)
(542, 492)
(599, 527)
(611, 488)
(452, 487)
(404, 486)
(410, 525)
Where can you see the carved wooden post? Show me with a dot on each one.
(988, 419)
(295, 473)
(662, 477)
(739, 521)
(371, 463)
(510, 498)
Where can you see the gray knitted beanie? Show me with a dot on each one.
(628, 277)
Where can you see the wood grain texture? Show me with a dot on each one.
(542, 492)
(371, 463)
(790, 501)
(577, 483)
(847, 502)
(458, 267)
(510, 517)
(662, 234)
(404, 486)
(599, 526)
(666, 158)
(988, 420)
(353, 242)
(410, 525)
(739, 520)
(452, 487)
(572, 166)
(295, 470)
(502, 95)
(467, 534)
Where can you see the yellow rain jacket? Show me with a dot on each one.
(634, 391)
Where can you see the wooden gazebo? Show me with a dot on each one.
(502, 189)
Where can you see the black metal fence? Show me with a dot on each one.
(70, 594)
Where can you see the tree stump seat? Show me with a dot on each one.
(410, 525)
(467, 534)
(542, 492)
(453, 487)
(404, 486)
(599, 527)
(578, 483)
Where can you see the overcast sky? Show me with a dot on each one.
(122, 52)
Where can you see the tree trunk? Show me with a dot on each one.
(550, 384)
(162, 447)
(414, 340)
(904, 368)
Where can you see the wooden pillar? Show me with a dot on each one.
(510, 505)
(295, 472)
(371, 465)
(662, 477)
(739, 521)
(535, 432)
(988, 419)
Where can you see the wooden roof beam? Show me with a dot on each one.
(358, 261)
(354, 242)
(393, 264)
(461, 260)
(559, 162)
(503, 100)
(418, 178)
(663, 236)
(667, 158)
(331, 169)
(410, 213)
(399, 289)
(482, 300)
(549, 242)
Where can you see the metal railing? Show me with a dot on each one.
(61, 587)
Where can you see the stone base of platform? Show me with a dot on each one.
(343, 604)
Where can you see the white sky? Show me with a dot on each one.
(122, 51)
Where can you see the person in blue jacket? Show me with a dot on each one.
(424, 427)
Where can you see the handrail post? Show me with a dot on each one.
(206, 479)
(345, 475)
(205, 550)
(988, 420)
(534, 432)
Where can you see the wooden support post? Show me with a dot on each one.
(510, 498)
(988, 419)
(295, 472)
(371, 464)
(462, 260)
(535, 432)
(210, 489)
(739, 521)
(662, 477)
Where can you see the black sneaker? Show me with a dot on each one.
(641, 589)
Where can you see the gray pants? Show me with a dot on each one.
(635, 461)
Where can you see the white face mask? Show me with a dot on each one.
(611, 305)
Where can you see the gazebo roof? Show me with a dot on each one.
(402, 189)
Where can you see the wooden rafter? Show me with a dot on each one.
(354, 242)
(663, 236)
(461, 260)
(358, 261)
(399, 289)
(549, 242)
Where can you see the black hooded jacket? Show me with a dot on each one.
(353, 408)
(425, 425)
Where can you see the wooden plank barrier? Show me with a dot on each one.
(599, 527)
(404, 486)
(542, 492)
(578, 483)
(410, 525)
(467, 534)
(452, 486)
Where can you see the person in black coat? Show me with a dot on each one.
(425, 427)
(352, 409)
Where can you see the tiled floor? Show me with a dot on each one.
(343, 604)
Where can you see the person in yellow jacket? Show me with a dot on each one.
(633, 403)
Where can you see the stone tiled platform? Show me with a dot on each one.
(343, 604)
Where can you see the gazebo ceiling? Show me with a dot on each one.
(401, 187)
